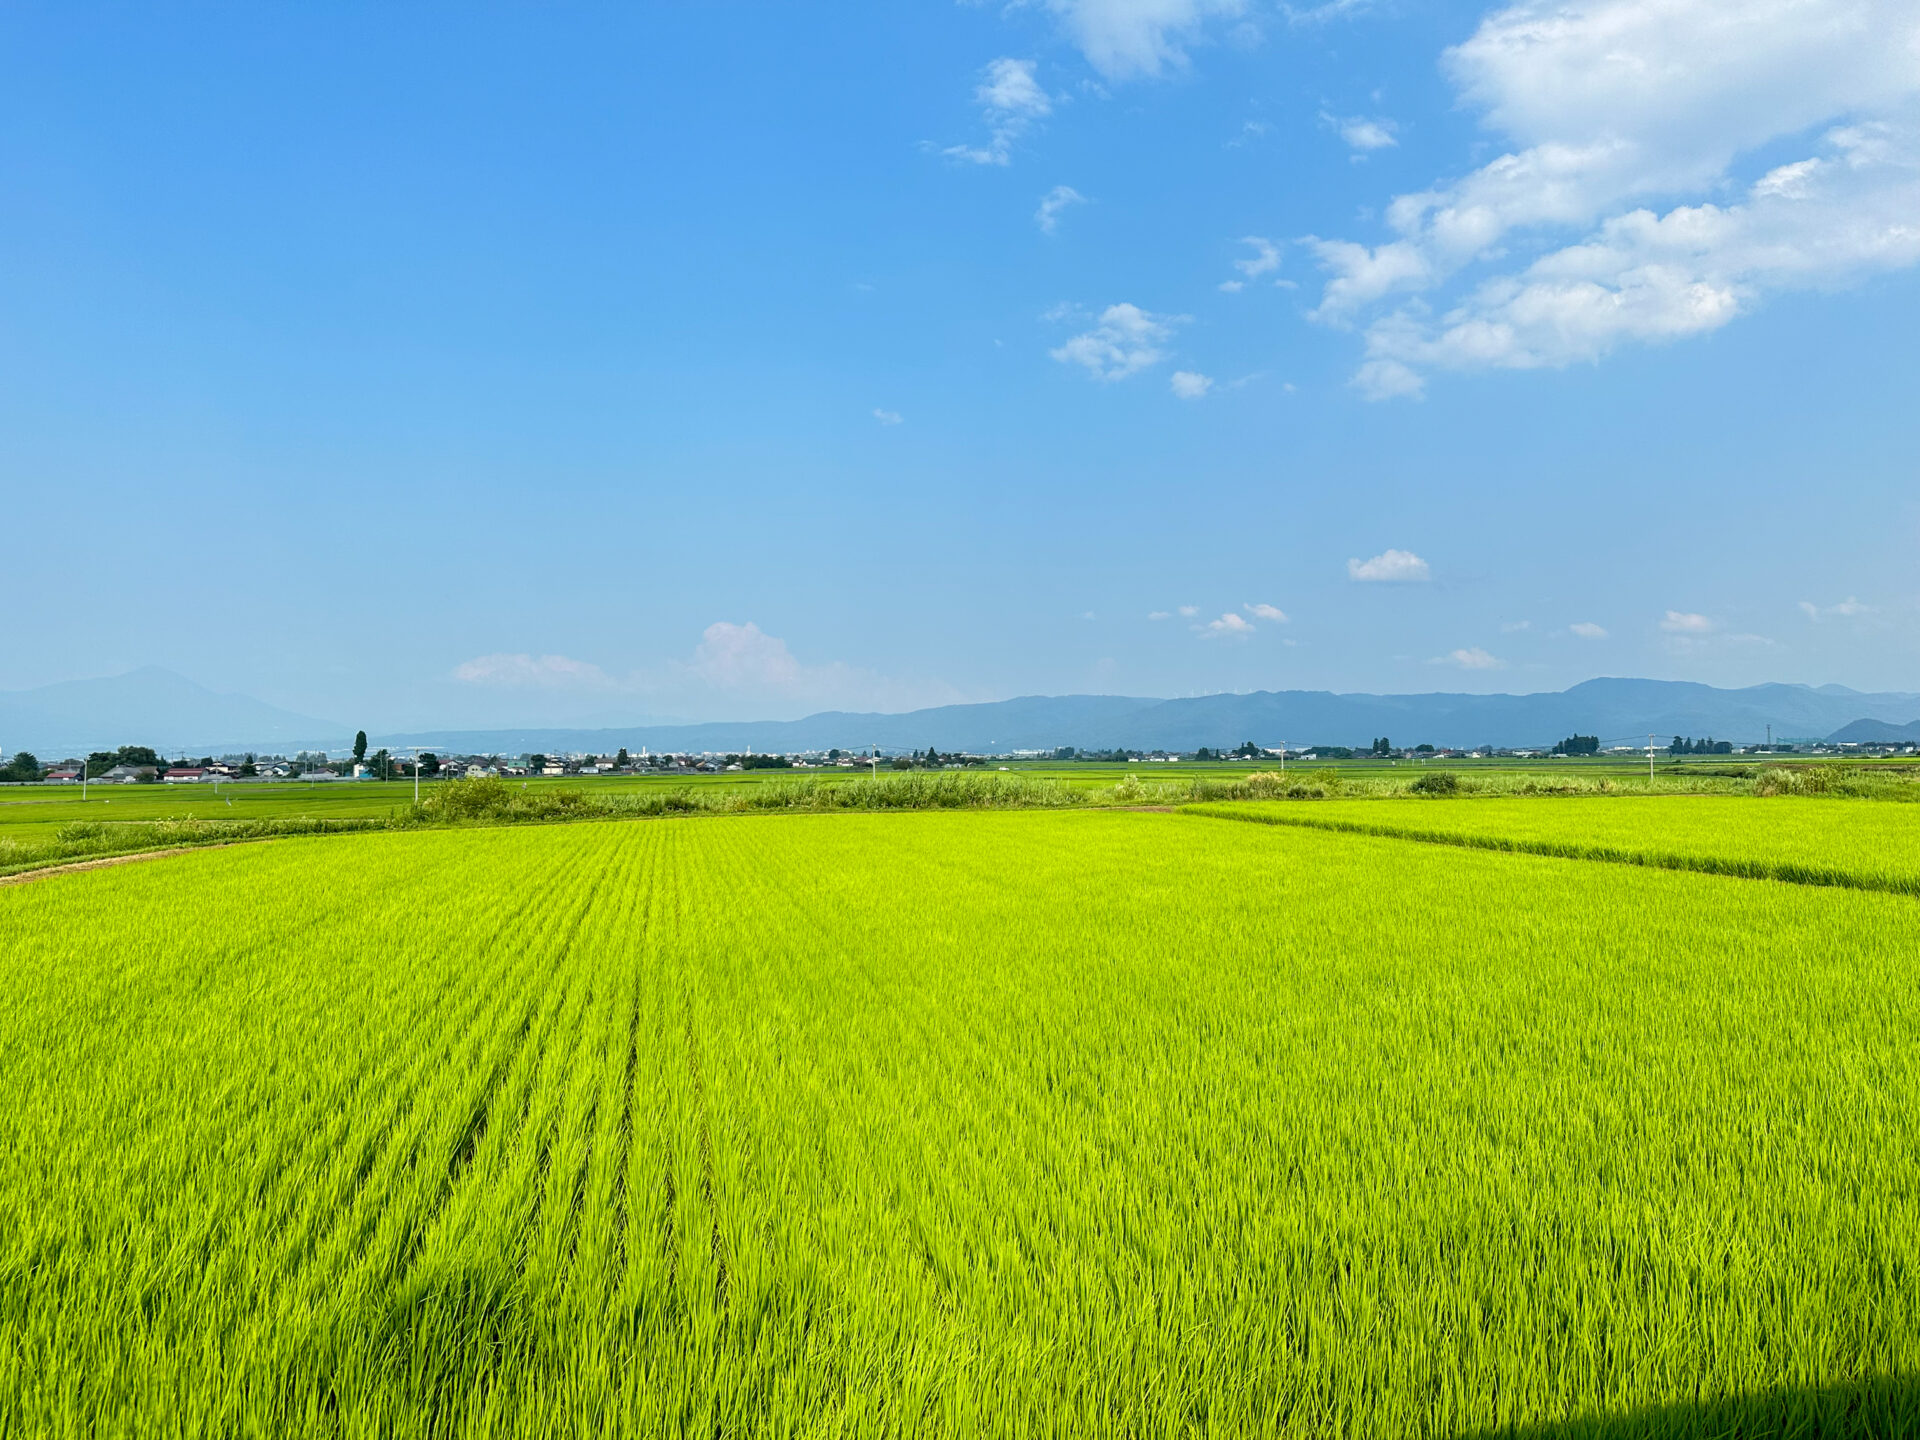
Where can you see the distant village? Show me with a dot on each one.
(135, 764)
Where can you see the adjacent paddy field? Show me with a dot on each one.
(1812, 841)
(1052, 1123)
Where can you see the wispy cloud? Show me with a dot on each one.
(1391, 567)
(1362, 134)
(1264, 260)
(1685, 622)
(1472, 658)
(1125, 341)
(1190, 384)
(1052, 204)
(888, 417)
(540, 672)
(1267, 612)
(1189, 611)
(1847, 609)
(1587, 630)
(1127, 39)
(1011, 100)
(734, 664)
(1229, 625)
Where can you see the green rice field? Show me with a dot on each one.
(1815, 841)
(1052, 1123)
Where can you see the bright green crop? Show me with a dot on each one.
(1047, 1123)
(1810, 841)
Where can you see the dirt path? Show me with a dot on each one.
(102, 861)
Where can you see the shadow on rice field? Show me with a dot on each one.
(1880, 1406)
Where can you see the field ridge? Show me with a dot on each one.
(1791, 872)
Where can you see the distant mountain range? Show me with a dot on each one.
(1876, 732)
(1618, 711)
(156, 707)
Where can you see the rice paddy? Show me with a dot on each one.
(1050, 1122)
(1811, 841)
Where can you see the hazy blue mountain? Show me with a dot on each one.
(156, 707)
(153, 707)
(1876, 732)
(1618, 711)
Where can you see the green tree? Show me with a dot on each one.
(23, 766)
(359, 746)
(429, 763)
(622, 761)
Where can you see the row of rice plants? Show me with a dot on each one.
(1809, 842)
(1056, 1123)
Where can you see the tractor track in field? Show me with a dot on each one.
(100, 862)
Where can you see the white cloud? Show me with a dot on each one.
(1390, 565)
(735, 670)
(1683, 622)
(1361, 134)
(1159, 615)
(1264, 260)
(1233, 287)
(1011, 100)
(1061, 197)
(520, 671)
(1470, 659)
(1230, 625)
(1587, 630)
(1388, 380)
(1190, 384)
(1514, 627)
(1847, 609)
(1614, 109)
(740, 656)
(1126, 341)
(888, 417)
(1189, 611)
(1267, 612)
(1127, 38)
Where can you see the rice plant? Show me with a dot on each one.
(1082, 1122)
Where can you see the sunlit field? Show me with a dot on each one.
(1085, 1122)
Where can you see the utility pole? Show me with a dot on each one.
(83, 780)
(1649, 762)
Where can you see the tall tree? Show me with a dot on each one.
(359, 746)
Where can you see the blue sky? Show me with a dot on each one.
(433, 365)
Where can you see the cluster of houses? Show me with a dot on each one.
(314, 766)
